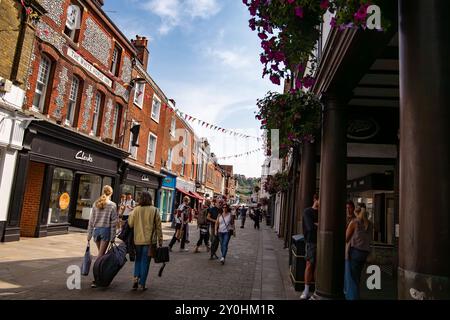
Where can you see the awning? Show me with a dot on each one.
(184, 192)
(196, 195)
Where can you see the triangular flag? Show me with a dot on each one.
(190, 118)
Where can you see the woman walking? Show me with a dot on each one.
(146, 222)
(358, 237)
(224, 224)
(103, 222)
(202, 225)
(184, 211)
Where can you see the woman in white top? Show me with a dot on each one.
(224, 224)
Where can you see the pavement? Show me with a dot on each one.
(256, 268)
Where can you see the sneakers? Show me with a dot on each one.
(135, 283)
(184, 250)
(93, 285)
(305, 295)
(143, 288)
(222, 260)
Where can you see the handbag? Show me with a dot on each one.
(161, 255)
(87, 259)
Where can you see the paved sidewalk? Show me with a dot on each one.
(256, 268)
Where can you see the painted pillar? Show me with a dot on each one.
(333, 175)
(424, 244)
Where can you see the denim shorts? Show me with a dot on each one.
(102, 234)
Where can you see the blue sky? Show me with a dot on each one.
(204, 55)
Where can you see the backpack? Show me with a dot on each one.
(201, 218)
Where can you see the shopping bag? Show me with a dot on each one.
(87, 259)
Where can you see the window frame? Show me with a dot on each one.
(98, 104)
(173, 126)
(169, 158)
(73, 103)
(116, 120)
(139, 102)
(73, 34)
(115, 62)
(133, 150)
(151, 135)
(185, 138)
(156, 119)
(42, 93)
(183, 165)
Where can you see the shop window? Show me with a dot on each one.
(99, 100)
(156, 108)
(90, 189)
(139, 94)
(60, 196)
(115, 61)
(73, 23)
(185, 138)
(40, 91)
(173, 127)
(73, 101)
(133, 149)
(151, 149)
(107, 181)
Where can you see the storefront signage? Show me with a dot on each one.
(145, 178)
(362, 129)
(84, 157)
(89, 67)
(169, 182)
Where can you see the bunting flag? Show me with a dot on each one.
(240, 154)
(211, 126)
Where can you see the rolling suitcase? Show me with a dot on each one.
(106, 267)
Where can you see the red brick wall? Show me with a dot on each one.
(32, 199)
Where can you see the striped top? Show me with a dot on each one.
(103, 218)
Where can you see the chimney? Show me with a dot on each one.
(140, 43)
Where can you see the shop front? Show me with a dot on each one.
(136, 180)
(167, 196)
(183, 189)
(59, 176)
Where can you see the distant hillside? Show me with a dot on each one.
(246, 186)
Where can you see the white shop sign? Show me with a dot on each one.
(89, 67)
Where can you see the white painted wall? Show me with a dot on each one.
(7, 169)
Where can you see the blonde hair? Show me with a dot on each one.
(186, 198)
(101, 202)
(361, 213)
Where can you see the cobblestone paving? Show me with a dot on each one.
(256, 268)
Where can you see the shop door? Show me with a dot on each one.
(88, 189)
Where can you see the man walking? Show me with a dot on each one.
(258, 214)
(213, 213)
(243, 214)
(310, 226)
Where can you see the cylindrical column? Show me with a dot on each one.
(424, 244)
(333, 175)
(308, 176)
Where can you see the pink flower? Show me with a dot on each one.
(263, 59)
(28, 11)
(299, 12)
(324, 4)
(298, 84)
(333, 22)
(275, 79)
(262, 35)
(279, 56)
(308, 81)
(301, 68)
(275, 67)
(252, 24)
(290, 1)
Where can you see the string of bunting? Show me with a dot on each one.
(207, 125)
(241, 154)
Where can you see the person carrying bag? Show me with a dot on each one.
(146, 223)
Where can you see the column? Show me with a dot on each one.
(424, 244)
(307, 177)
(333, 175)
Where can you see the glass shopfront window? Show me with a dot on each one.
(90, 189)
(137, 191)
(60, 197)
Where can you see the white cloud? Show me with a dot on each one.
(175, 13)
(235, 59)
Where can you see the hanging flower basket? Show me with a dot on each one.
(296, 115)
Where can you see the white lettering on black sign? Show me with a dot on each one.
(83, 156)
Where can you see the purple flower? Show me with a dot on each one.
(252, 24)
(299, 12)
(252, 10)
(301, 68)
(262, 35)
(308, 81)
(275, 79)
(361, 14)
(263, 59)
(333, 22)
(275, 67)
(324, 4)
(279, 56)
(290, 1)
(298, 84)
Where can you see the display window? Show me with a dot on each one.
(61, 196)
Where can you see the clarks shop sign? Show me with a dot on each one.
(86, 157)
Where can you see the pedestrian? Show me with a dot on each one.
(359, 237)
(203, 226)
(350, 208)
(224, 224)
(310, 227)
(257, 215)
(129, 206)
(243, 214)
(122, 205)
(146, 223)
(180, 229)
(103, 222)
(213, 213)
